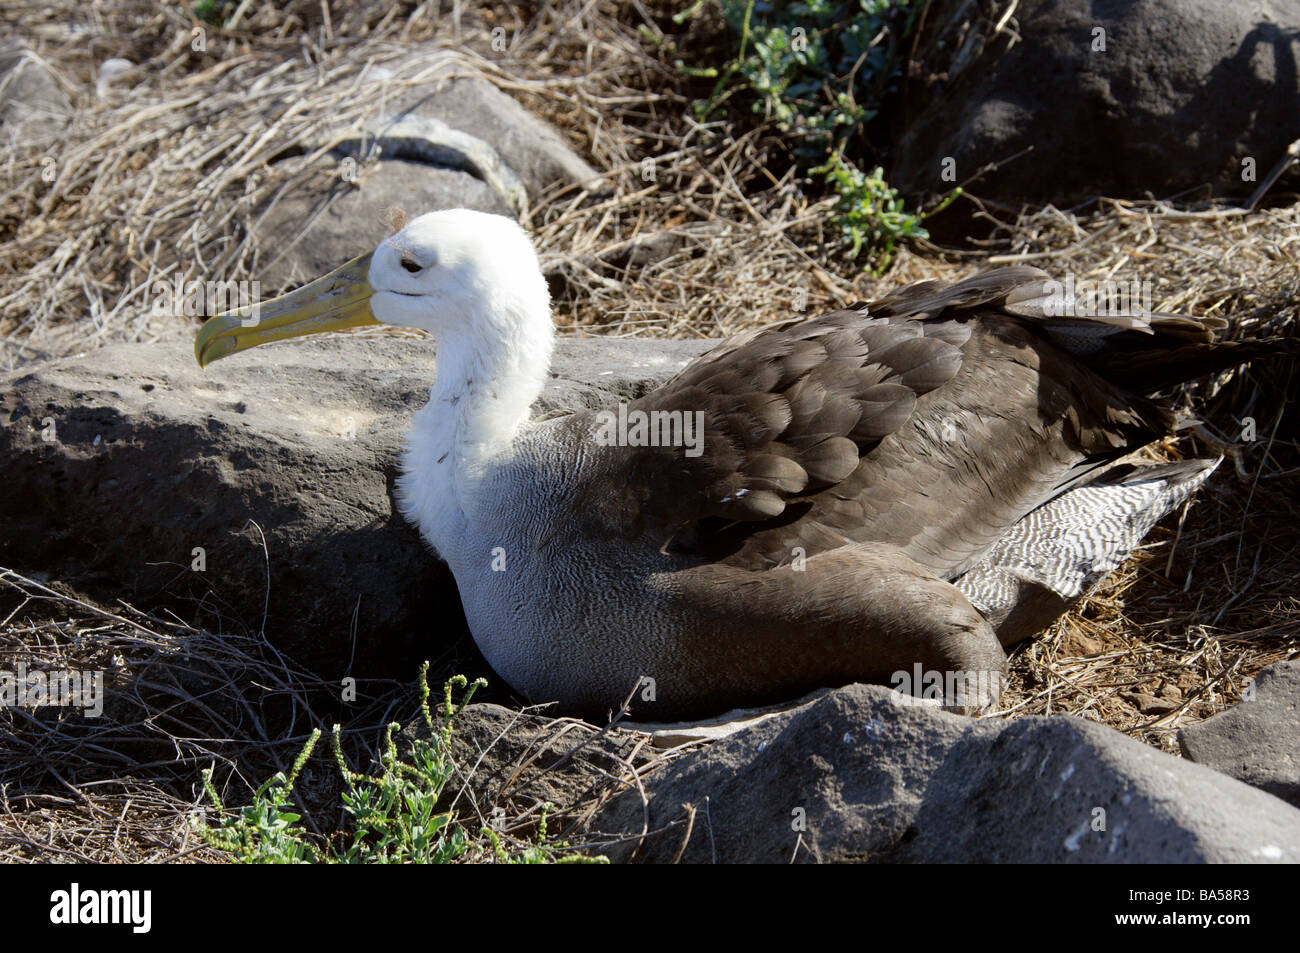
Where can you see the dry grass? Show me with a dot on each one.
(175, 700)
(167, 172)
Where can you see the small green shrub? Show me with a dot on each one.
(214, 12)
(265, 831)
(819, 70)
(393, 812)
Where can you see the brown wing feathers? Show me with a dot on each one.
(793, 413)
(792, 410)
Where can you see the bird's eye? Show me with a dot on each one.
(410, 265)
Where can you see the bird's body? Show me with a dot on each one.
(850, 469)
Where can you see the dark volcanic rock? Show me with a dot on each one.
(1183, 91)
(856, 776)
(324, 220)
(531, 147)
(1259, 740)
(347, 219)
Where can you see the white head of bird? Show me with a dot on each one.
(470, 279)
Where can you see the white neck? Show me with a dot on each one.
(488, 378)
(484, 391)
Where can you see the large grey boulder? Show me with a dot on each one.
(1182, 93)
(450, 141)
(531, 147)
(1258, 741)
(857, 776)
(130, 473)
(326, 220)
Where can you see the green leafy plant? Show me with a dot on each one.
(214, 12)
(265, 831)
(819, 70)
(393, 812)
(869, 210)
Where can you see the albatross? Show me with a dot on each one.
(875, 490)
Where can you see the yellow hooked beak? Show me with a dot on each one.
(336, 302)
